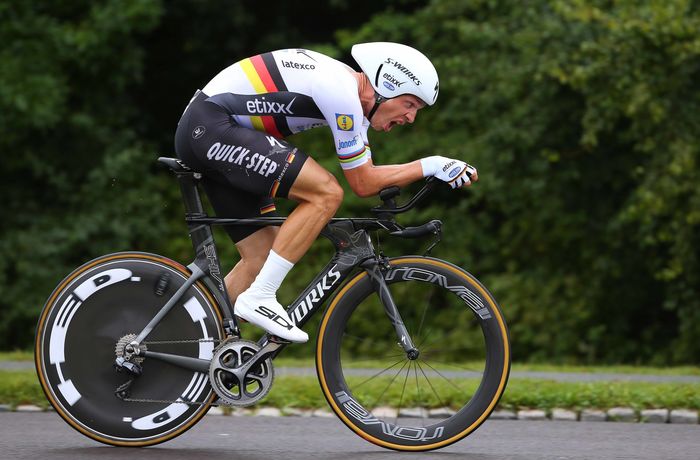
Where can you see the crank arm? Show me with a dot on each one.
(203, 365)
(265, 352)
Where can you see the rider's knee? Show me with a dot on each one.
(330, 196)
(323, 192)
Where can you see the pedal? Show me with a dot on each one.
(275, 339)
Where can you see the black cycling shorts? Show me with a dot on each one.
(243, 170)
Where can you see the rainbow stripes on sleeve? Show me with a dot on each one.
(354, 159)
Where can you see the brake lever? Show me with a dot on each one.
(438, 238)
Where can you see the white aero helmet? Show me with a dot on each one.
(395, 69)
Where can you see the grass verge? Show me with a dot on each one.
(17, 355)
(303, 392)
(21, 355)
(524, 367)
(22, 387)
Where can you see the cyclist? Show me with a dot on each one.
(233, 131)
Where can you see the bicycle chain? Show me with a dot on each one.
(161, 342)
(166, 401)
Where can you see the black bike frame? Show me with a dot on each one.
(353, 246)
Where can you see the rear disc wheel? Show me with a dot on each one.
(84, 327)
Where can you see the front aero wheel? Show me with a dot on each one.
(414, 404)
(85, 325)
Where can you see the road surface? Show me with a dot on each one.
(44, 436)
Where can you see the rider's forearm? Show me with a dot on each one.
(375, 178)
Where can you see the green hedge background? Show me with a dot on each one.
(583, 118)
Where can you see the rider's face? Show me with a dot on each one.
(396, 111)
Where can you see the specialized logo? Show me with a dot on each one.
(267, 313)
(183, 165)
(275, 143)
(296, 65)
(316, 294)
(417, 274)
(304, 53)
(344, 122)
(210, 252)
(401, 68)
(198, 132)
(356, 411)
(346, 144)
(263, 107)
(241, 156)
(392, 80)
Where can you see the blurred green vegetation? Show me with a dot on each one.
(582, 117)
(282, 361)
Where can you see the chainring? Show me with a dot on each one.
(235, 391)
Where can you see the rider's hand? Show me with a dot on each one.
(455, 172)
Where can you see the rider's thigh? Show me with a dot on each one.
(230, 202)
(317, 185)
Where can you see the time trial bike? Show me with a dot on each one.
(412, 352)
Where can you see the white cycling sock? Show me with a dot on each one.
(271, 275)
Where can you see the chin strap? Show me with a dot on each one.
(378, 99)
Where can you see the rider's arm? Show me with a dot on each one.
(368, 179)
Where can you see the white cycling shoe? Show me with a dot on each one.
(268, 314)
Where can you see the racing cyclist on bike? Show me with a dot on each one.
(233, 132)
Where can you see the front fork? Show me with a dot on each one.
(376, 269)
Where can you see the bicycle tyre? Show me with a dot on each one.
(446, 282)
(86, 315)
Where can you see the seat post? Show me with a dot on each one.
(190, 194)
(188, 185)
(201, 234)
(202, 237)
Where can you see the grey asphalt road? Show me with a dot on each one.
(42, 436)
